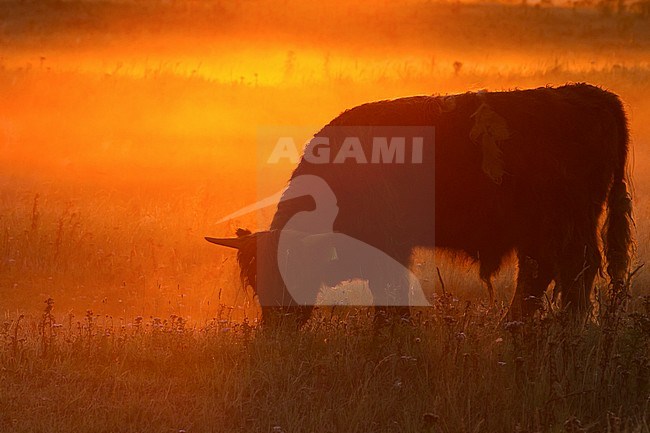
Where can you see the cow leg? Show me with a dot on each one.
(490, 260)
(487, 268)
(390, 297)
(577, 269)
(490, 289)
(390, 287)
(533, 277)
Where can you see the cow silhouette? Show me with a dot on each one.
(528, 171)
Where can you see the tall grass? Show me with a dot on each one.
(122, 144)
(455, 369)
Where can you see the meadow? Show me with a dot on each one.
(124, 139)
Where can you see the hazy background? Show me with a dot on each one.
(128, 129)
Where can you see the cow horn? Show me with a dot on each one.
(236, 243)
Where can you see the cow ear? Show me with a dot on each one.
(243, 232)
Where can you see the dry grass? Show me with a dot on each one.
(121, 145)
(453, 370)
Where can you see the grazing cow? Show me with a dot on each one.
(528, 171)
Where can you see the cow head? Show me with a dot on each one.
(285, 275)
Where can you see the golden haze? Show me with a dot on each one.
(123, 140)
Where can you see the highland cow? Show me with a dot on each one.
(528, 171)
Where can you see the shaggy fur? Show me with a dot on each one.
(562, 159)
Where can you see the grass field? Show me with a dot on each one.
(454, 370)
(123, 140)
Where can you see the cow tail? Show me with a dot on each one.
(617, 234)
